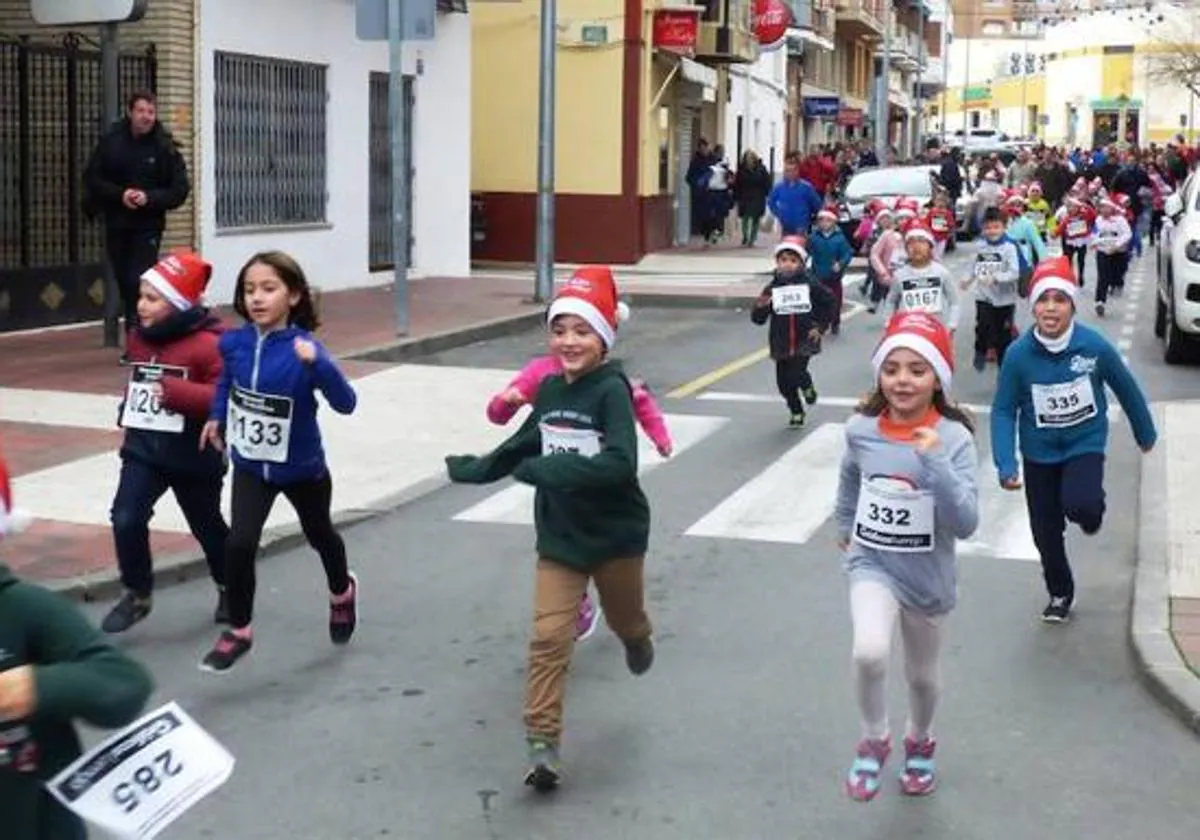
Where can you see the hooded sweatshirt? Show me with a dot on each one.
(928, 288)
(79, 676)
(996, 271)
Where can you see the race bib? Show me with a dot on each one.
(1077, 228)
(1064, 404)
(791, 300)
(143, 409)
(891, 517)
(940, 224)
(259, 426)
(558, 439)
(140, 780)
(1038, 218)
(986, 270)
(921, 295)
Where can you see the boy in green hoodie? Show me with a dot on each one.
(55, 668)
(578, 448)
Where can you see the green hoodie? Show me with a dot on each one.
(578, 447)
(79, 676)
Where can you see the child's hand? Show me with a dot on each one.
(18, 693)
(210, 435)
(1012, 483)
(306, 351)
(665, 448)
(837, 266)
(815, 334)
(926, 438)
(513, 397)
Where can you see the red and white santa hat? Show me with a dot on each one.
(591, 294)
(907, 206)
(1014, 197)
(1053, 273)
(828, 212)
(11, 519)
(1112, 200)
(181, 277)
(923, 334)
(919, 230)
(794, 244)
(884, 213)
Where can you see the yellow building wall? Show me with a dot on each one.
(504, 99)
(652, 131)
(1116, 76)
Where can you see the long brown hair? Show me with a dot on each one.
(304, 313)
(874, 403)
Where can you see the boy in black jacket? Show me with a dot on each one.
(801, 311)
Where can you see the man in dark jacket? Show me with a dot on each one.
(134, 177)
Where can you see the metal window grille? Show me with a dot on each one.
(269, 121)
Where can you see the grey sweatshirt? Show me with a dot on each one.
(996, 270)
(902, 511)
(927, 289)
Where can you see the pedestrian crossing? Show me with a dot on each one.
(789, 499)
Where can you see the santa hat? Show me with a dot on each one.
(923, 334)
(591, 294)
(884, 213)
(180, 277)
(793, 244)
(828, 212)
(917, 230)
(11, 519)
(991, 175)
(1014, 197)
(1053, 273)
(1111, 200)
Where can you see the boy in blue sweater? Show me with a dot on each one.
(1052, 384)
(831, 255)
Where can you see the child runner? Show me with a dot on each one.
(923, 284)
(266, 411)
(883, 256)
(831, 256)
(1037, 209)
(865, 237)
(1075, 220)
(800, 310)
(906, 494)
(523, 390)
(56, 669)
(578, 448)
(1022, 231)
(940, 219)
(996, 270)
(1053, 386)
(1110, 239)
(175, 367)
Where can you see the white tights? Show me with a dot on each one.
(874, 610)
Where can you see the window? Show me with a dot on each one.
(269, 125)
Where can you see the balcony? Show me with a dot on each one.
(726, 33)
(859, 19)
(904, 51)
(813, 23)
(934, 75)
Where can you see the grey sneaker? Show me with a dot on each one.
(545, 767)
(639, 656)
(128, 611)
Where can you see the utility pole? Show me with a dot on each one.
(919, 131)
(110, 75)
(882, 129)
(966, 87)
(1024, 83)
(398, 112)
(544, 281)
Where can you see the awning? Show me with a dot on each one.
(812, 38)
(697, 73)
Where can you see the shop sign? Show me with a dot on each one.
(771, 21)
(851, 117)
(676, 30)
(977, 95)
(821, 107)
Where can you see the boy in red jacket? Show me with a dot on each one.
(174, 367)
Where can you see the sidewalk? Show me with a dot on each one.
(1165, 622)
(59, 392)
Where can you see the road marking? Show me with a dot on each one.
(829, 402)
(59, 408)
(514, 504)
(1127, 329)
(1124, 344)
(1131, 315)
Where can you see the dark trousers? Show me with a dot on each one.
(1058, 493)
(1079, 257)
(131, 252)
(140, 487)
(792, 377)
(993, 328)
(1109, 274)
(252, 502)
(834, 284)
(1156, 223)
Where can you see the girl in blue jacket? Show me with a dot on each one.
(265, 410)
(1052, 385)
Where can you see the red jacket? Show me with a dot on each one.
(941, 221)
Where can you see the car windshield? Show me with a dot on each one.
(907, 180)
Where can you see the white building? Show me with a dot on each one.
(294, 152)
(756, 114)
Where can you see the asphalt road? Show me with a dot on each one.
(746, 724)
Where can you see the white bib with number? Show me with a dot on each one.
(986, 270)
(559, 439)
(143, 409)
(259, 426)
(921, 295)
(1077, 228)
(791, 300)
(1037, 217)
(940, 224)
(890, 518)
(1064, 404)
(140, 780)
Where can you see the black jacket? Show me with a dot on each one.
(791, 335)
(151, 163)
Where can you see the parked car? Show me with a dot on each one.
(891, 183)
(1177, 302)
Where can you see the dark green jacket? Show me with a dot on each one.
(587, 509)
(79, 676)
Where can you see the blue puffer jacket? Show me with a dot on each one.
(826, 249)
(268, 364)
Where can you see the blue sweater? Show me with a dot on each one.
(1028, 363)
(794, 204)
(268, 364)
(827, 249)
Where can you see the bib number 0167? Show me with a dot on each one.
(146, 780)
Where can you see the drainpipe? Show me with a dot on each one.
(882, 129)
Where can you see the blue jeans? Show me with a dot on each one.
(1058, 493)
(140, 487)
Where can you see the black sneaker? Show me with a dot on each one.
(979, 362)
(229, 648)
(1058, 611)
(1100, 309)
(128, 611)
(639, 656)
(343, 618)
(545, 767)
(810, 395)
(796, 421)
(221, 613)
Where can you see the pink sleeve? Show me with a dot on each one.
(650, 417)
(864, 230)
(527, 381)
(879, 256)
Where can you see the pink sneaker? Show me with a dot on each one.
(588, 619)
(862, 782)
(919, 776)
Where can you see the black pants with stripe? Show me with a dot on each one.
(792, 377)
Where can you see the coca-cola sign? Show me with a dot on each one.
(771, 21)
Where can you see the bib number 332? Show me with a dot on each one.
(259, 426)
(891, 518)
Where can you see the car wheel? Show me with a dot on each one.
(1174, 342)
(1160, 316)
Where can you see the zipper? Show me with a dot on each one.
(258, 345)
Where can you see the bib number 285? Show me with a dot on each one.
(146, 780)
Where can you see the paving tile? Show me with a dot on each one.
(51, 550)
(1189, 646)
(29, 447)
(1185, 606)
(1184, 624)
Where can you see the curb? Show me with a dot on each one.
(410, 348)
(1160, 664)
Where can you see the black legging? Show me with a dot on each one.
(1079, 255)
(252, 501)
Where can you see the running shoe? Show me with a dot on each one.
(127, 612)
(545, 767)
(919, 776)
(588, 618)
(230, 647)
(862, 782)
(343, 615)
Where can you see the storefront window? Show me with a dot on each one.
(1106, 127)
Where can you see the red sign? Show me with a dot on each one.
(771, 21)
(851, 116)
(676, 29)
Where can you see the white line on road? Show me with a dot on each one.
(1127, 329)
(1124, 344)
(829, 402)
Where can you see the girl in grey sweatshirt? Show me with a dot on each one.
(906, 495)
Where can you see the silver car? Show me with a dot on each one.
(890, 183)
